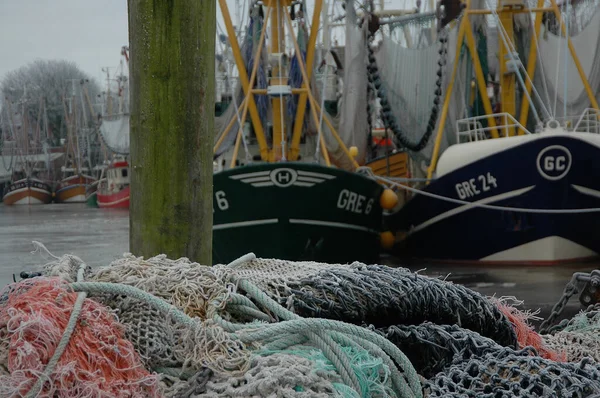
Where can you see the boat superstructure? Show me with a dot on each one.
(297, 195)
(113, 189)
(512, 175)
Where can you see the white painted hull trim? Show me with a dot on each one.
(549, 249)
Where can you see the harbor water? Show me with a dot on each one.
(99, 236)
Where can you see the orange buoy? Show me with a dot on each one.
(387, 240)
(388, 199)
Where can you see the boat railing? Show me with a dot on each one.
(588, 122)
(472, 129)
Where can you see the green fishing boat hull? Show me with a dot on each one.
(92, 200)
(296, 211)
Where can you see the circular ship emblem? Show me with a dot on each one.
(554, 162)
(284, 177)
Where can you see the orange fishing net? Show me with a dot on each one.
(526, 336)
(97, 362)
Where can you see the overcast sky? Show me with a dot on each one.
(88, 32)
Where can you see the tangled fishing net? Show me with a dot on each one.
(383, 296)
(509, 373)
(526, 336)
(98, 361)
(579, 337)
(269, 328)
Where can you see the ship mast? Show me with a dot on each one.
(278, 90)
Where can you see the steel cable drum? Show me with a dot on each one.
(383, 296)
(509, 373)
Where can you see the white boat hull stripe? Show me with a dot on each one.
(255, 174)
(245, 223)
(463, 208)
(332, 224)
(586, 191)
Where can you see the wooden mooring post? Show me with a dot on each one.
(172, 44)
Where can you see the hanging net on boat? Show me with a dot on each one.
(114, 131)
(412, 77)
(556, 79)
(350, 122)
(260, 327)
(353, 126)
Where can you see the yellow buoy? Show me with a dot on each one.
(387, 240)
(388, 199)
(353, 151)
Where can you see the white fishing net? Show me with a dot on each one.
(115, 133)
(353, 128)
(557, 78)
(409, 80)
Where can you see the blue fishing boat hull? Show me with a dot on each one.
(560, 172)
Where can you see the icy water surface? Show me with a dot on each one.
(99, 236)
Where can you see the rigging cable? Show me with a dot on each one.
(324, 80)
(514, 57)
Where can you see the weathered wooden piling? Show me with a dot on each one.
(172, 45)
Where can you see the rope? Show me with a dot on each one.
(327, 335)
(64, 341)
(134, 292)
(481, 205)
(325, 343)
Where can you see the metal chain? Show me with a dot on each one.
(370, 94)
(570, 290)
(386, 111)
